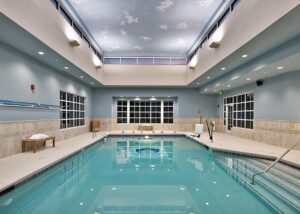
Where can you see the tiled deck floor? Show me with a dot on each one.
(18, 167)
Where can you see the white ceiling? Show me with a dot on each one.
(146, 27)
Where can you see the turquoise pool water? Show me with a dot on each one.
(158, 175)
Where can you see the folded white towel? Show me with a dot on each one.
(38, 136)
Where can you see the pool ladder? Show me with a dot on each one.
(95, 130)
(272, 164)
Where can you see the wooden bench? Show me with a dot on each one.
(33, 142)
(145, 128)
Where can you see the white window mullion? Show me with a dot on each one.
(128, 112)
(162, 111)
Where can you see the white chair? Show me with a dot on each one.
(198, 130)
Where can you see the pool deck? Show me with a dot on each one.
(17, 168)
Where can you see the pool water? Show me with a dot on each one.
(132, 174)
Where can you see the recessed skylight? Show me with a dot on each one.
(41, 53)
(223, 69)
(245, 56)
(280, 68)
(66, 67)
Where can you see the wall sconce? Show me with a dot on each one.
(193, 62)
(74, 43)
(97, 62)
(214, 45)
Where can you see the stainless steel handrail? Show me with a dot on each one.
(272, 164)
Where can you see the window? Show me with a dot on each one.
(242, 112)
(122, 111)
(168, 111)
(72, 110)
(145, 111)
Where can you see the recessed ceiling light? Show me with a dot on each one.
(245, 56)
(81, 77)
(198, 83)
(235, 77)
(218, 84)
(280, 67)
(168, 96)
(248, 79)
(228, 86)
(92, 83)
(66, 67)
(223, 69)
(215, 90)
(41, 53)
(208, 77)
(206, 89)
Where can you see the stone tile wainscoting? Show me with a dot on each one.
(13, 132)
(280, 133)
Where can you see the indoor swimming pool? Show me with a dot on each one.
(137, 174)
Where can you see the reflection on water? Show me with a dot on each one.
(143, 151)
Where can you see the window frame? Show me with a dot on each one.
(72, 112)
(240, 111)
(145, 111)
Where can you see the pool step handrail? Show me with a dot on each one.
(273, 163)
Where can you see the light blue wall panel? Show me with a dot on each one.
(189, 100)
(18, 71)
(278, 98)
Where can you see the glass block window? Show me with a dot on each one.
(122, 111)
(72, 110)
(144, 111)
(168, 111)
(243, 110)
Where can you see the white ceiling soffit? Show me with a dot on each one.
(280, 60)
(264, 51)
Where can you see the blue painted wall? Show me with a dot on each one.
(189, 100)
(18, 71)
(278, 98)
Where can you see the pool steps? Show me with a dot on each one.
(279, 188)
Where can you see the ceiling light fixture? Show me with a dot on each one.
(41, 53)
(244, 56)
(81, 77)
(66, 67)
(92, 83)
(208, 77)
(198, 83)
(248, 79)
(280, 68)
(206, 89)
(223, 69)
(228, 86)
